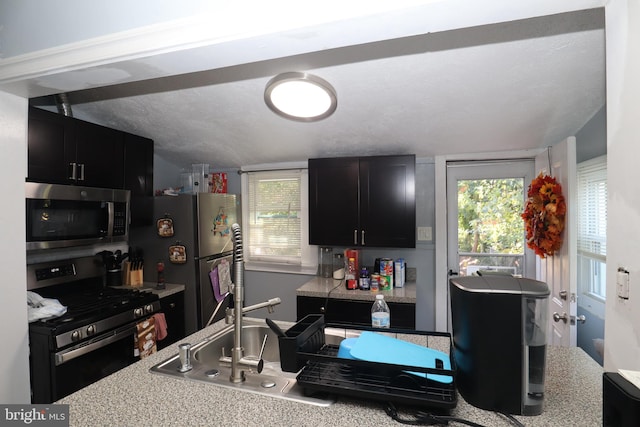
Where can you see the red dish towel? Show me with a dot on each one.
(161, 326)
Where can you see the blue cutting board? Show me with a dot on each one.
(374, 347)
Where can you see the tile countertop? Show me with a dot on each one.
(134, 396)
(321, 287)
(169, 288)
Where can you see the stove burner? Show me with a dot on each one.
(88, 304)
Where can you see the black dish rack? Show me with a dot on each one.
(323, 371)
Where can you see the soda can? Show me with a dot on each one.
(386, 267)
(375, 282)
(385, 283)
(386, 270)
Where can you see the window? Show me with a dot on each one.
(592, 227)
(275, 212)
(486, 231)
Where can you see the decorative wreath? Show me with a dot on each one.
(543, 215)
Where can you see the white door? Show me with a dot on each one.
(484, 228)
(560, 270)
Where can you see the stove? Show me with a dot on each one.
(94, 338)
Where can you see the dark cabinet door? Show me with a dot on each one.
(99, 154)
(333, 201)
(173, 309)
(366, 201)
(353, 312)
(387, 201)
(138, 178)
(50, 146)
(64, 150)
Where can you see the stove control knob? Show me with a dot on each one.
(138, 312)
(91, 329)
(148, 308)
(76, 335)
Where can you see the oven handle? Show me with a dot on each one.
(67, 355)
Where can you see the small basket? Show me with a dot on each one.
(306, 336)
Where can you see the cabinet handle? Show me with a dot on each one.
(172, 305)
(362, 237)
(72, 169)
(81, 172)
(355, 237)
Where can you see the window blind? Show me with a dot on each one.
(275, 217)
(592, 208)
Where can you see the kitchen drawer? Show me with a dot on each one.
(356, 312)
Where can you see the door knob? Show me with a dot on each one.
(563, 295)
(581, 318)
(557, 317)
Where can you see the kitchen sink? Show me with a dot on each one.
(272, 381)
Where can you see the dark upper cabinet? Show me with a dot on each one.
(362, 201)
(64, 150)
(51, 143)
(138, 178)
(98, 156)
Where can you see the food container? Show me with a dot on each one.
(386, 271)
(399, 273)
(200, 174)
(326, 262)
(338, 266)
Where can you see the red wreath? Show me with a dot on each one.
(543, 215)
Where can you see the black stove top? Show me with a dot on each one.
(92, 307)
(89, 305)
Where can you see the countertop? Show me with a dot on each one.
(169, 288)
(323, 287)
(133, 396)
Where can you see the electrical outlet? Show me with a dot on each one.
(424, 234)
(411, 274)
(622, 283)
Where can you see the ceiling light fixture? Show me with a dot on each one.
(300, 96)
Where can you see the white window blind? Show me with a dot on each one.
(592, 208)
(275, 217)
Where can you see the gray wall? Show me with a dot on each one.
(591, 142)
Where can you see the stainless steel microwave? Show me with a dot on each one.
(63, 216)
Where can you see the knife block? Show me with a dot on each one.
(132, 274)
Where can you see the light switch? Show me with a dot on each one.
(622, 283)
(424, 234)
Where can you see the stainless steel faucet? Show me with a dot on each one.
(238, 362)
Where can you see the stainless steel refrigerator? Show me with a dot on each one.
(202, 224)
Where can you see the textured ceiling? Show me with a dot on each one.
(517, 85)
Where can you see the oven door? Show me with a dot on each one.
(81, 365)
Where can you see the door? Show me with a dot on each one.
(560, 270)
(484, 227)
(216, 214)
(215, 282)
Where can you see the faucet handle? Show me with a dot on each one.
(184, 351)
(261, 361)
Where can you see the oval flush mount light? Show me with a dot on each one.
(300, 96)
